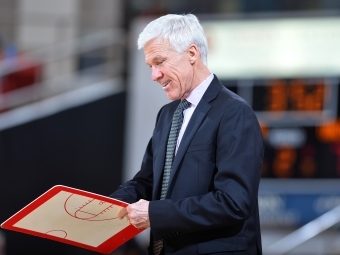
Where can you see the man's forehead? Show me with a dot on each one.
(154, 50)
(154, 57)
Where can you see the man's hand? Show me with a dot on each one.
(137, 213)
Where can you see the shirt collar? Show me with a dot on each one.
(196, 95)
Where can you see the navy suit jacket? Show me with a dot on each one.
(211, 204)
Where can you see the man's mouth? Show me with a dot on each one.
(165, 84)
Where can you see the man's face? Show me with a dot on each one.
(173, 71)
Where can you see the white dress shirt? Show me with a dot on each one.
(194, 98)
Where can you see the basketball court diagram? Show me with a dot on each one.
(91, 209)
(75, 217)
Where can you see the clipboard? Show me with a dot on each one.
(75, 217)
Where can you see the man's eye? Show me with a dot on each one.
(160, 63)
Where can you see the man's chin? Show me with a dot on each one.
(172, 97)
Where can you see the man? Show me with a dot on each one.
(200, 198)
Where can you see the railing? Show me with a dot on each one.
(305, 233)
(63, 70)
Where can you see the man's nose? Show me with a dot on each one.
(155, 73)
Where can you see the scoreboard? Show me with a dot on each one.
(288, 70)
(300, 124)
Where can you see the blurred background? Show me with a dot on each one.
(77, 106)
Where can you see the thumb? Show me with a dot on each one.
(122, 213)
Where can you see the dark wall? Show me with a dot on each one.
(80, 147)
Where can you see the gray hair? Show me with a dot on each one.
(179, 30)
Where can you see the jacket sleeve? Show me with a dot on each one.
(238, 153)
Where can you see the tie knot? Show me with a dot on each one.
(184, 104)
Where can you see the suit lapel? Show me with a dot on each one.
(195, 121)
(160, 158)
(198, 116)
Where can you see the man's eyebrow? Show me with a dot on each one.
(155, 58)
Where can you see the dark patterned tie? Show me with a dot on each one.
(176, 125)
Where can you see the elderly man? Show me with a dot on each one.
(198, 183)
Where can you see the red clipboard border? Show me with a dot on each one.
(106, 247)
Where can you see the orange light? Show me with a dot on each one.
(294, 95)
(329, 132)
(264, 129)
(276, 96)
(284, 161)
(307, 167)
(304, 97)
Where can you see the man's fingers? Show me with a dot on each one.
(138, 214)
(122, 213)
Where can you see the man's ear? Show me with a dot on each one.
(193, 53)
